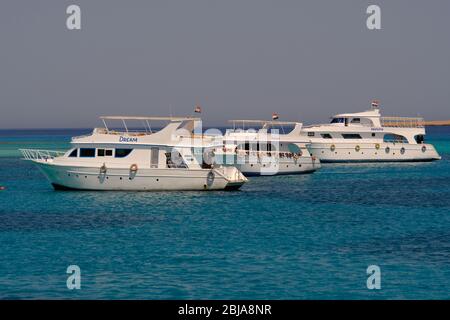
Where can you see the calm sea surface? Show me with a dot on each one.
(286, 237)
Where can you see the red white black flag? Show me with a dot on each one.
(198, 109)
(275, 116)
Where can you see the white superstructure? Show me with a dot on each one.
(267, 151)
(368, 137)
(107, 159)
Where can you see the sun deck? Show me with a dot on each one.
(402, 122)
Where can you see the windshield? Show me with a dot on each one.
(337, 120)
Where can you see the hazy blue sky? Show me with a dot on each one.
(305, 60)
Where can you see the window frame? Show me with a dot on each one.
(351, 136)
(71, 153)
(85, 156)
(124, 156)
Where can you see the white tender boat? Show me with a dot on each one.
(169, 159)
(264, 152)
(368, 137)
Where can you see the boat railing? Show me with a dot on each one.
(260, 153)
(43, 155)
(402, 122)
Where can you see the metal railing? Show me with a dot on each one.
(402, 122)
(42, 155)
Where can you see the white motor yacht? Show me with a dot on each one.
(369, 137)
(127, 159)
(267, 151)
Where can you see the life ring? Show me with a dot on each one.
(333, 147)
(424, 149)
(134, 167)
(377, 146)
(402, 150)
(103, 169)
(387, 150)
(357, 148)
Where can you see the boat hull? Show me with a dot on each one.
(373, 152)
(301, 166)
(152, 179)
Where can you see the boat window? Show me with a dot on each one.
(175, 160)
(356, 120)
(74, 153)
(245, 146)
(87, 152)
(337, 120)
(104, 152)
(326, 135)
(268, 147)
(351, 136)
(419, 138)
(390, 137)
(310, 134)
(122, 153)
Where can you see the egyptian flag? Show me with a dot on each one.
(275, 116)
(198, 109)
(375, 104)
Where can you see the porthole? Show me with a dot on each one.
(387, 150)
(402, 150)
(424, 149)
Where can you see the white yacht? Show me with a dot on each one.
(264, 152)
(110, 159)
(368, 137)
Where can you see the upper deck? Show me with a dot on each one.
(259, 130)
(170, 131)
(402, 122)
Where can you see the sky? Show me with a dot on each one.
(305, 60)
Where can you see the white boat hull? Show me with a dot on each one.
(278, 167)
(89, 178)
(373, 152)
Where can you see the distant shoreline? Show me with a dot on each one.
(437, 123)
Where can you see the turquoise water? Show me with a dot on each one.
(286, 237)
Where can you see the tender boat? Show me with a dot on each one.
(172, 158)
(264, 152)
(369, 137)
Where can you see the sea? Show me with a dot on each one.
(311, 236)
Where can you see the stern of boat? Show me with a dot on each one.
(235, 178)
